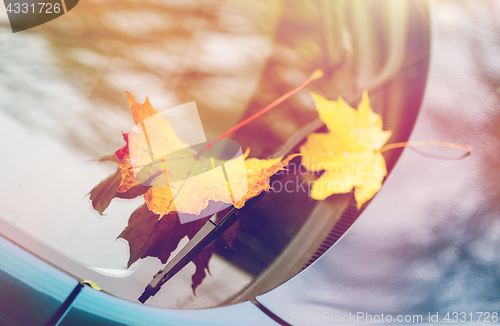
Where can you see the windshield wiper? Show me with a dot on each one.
(211, 230)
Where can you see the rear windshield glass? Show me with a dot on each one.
(64, 108)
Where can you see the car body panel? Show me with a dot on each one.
(93, 307)
(31, 290)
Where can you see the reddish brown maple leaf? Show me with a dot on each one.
(150, 236)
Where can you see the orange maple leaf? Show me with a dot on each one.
(165, 196)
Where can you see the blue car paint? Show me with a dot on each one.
(92, 307)
(31, 291)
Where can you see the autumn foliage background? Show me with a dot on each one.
(232, 60)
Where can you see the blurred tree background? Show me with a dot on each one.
(231, 57)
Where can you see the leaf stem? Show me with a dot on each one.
(314, 76)
(427, 142)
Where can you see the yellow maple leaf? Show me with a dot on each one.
(349, 154)
(173, 188)
(161, 199)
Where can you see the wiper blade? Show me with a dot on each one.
(205, 236)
